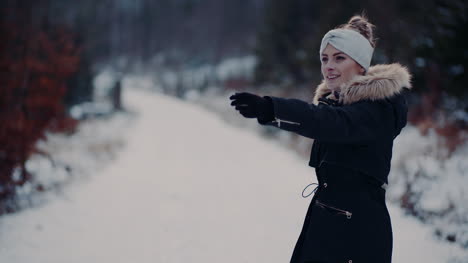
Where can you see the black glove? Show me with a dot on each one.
(253, 106)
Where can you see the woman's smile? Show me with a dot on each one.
(333, 77)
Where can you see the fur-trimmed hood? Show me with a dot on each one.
(380, 82)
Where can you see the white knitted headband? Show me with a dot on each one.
(351, 43)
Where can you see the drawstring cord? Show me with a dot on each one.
(313, 191)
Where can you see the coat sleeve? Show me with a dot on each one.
(360, 122)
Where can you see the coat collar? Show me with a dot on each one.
(380, 82)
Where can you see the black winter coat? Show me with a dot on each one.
(347, 220)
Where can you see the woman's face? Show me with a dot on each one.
(338, 68)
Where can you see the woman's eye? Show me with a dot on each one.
(324, 59)
(340, 58)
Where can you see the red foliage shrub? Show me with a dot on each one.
(34, 64)
(428, 115)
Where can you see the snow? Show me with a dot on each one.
(103, 83)
(438, 184)
(187, 187)
(72, 159)
(236, 67)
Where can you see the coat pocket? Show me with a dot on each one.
(333, 209)
(331, 235)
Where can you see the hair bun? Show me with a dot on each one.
(360, 24)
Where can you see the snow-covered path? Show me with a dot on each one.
(188, 188)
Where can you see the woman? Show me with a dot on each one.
(356, 114)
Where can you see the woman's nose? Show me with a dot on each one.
(330, 67)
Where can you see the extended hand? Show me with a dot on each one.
(253, 106)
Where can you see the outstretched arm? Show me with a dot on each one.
(360, 122)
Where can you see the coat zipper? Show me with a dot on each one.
(278, 120)
(340, 211)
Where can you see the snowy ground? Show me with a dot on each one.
(188, 187)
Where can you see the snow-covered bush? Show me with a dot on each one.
(63, 158)
(430, 184)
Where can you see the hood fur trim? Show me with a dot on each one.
(380, 82)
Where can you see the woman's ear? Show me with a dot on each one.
(362, 71)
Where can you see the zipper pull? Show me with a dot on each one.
(279, 122)
(348, 215)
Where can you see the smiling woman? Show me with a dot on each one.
(338, 68)
(358, 111)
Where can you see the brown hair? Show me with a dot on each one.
(360, 24)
